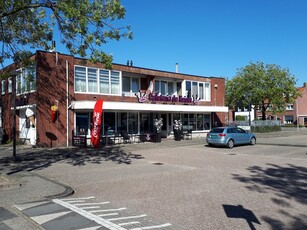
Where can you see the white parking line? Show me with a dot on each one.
(109, 214)
(129, 223)
(152, 227)
(108, 210)
(89, 215)
(107, 202)
(127, 217)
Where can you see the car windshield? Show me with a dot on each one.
(218, 130)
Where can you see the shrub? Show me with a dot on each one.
(266, 129)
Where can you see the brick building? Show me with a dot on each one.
(133, 98)
(293, 112)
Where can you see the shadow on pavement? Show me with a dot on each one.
(75, 156)
(289, 183)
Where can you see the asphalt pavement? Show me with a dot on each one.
(19, 185)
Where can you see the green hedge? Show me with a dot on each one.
(266, 129)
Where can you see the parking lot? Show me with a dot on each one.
(192, 186)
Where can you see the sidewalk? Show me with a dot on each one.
(19, 185)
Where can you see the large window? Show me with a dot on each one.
(26, 80)
(199, 90)
(82, 123)
(131, 85)
(93, 80)
(196, 122)
(164, 87)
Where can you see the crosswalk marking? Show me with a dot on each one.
(81, 214)
(21, 207)
(48, 217)
(89, 215)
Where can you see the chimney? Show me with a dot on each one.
(176, 67)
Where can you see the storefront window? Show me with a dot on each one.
(109, 123)
(145, 122)
(82, 123)
(122, 119)
(207, 121)
(200, 122)
(133, 123)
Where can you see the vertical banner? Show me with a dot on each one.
(97, 117)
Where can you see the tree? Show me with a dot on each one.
(84, 26)
(263, 86)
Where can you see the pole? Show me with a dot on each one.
(14, 118)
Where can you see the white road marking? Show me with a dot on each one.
(22, 207)
(108, 210)
(127, 217)
(129, 223)
(90, 207)
(152, 227)
(48, 217)
(107, 202)
(89, 215)
(91, 228)
(76, 198)
(109, 214)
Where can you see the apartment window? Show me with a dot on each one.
(289, 107)
(164, 87)
(131, 85)
(3, 87)
(10, 85)
(199, 90)
(26, 80)
(288, 119)
(93, 80)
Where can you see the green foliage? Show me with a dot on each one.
(240, 118)
(266, 129)
(263, 86)
(84, 26)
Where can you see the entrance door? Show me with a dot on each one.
(164, 126)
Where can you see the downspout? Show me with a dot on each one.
(67, 112)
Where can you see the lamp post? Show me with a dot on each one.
(14, 74)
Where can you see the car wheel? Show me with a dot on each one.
(253, 141)
(230, 144)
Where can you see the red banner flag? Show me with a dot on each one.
(97, 117)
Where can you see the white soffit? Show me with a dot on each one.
(107, 105)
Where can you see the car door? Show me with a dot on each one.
(242, 136)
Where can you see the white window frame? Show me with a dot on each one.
(131, 92)
(22, 83)
(112, 79)
(3, 87)
(206, 89)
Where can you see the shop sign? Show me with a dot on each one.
(97, 117)
(143, 97)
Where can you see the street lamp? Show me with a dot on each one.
(14, 74)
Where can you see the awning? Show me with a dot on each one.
(150, 107)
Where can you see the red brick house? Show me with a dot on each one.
(293, 112)
(133, 98)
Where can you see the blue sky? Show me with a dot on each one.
(215, 38)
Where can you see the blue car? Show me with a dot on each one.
(229, 137)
